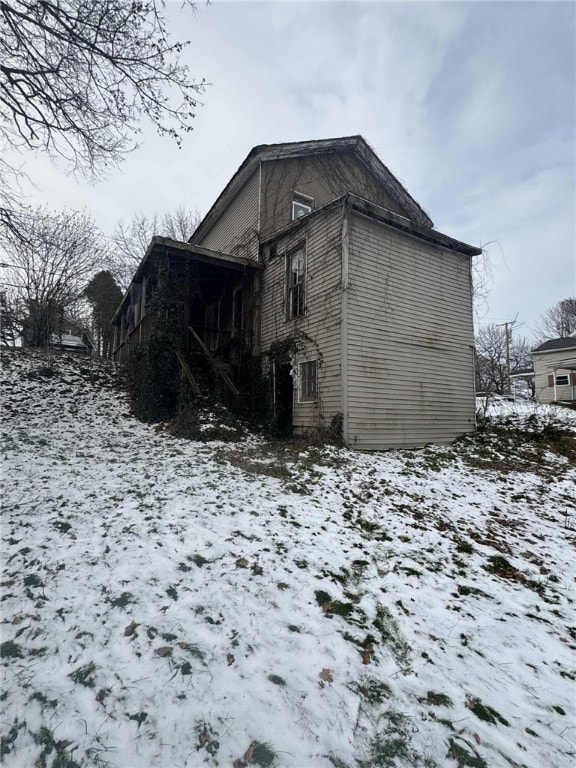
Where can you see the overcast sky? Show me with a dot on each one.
(471, 105)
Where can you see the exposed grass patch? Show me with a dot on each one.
(7, 741)
(333, 607)
(484, 712)
(84, 675)
(33, 580)
(258, 753)
(45, 738)
(126, 598)
(465, 758)
(464, 546)
(199, 560)
(62, 526)
(44, 700)
(466, 589)
(392, 747)
(372, 690)
(10, 650)
(276, 679)
(207, 737)
(438, 699)
(138, 717)
(391, 636)
(500, 566)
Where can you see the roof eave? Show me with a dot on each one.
(384, 216)
(410, 227)
(553, 349)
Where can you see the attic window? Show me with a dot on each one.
(301, 205)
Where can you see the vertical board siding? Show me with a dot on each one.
(543, 364)
(236, 230)
(318, 331)
(410, 340)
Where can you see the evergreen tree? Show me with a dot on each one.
(104, 296)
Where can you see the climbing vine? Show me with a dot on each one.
(152, 368)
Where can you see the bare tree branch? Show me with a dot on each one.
(78, 76)
(559, 320)
(47, 273)
(491, 370)
(131, 239)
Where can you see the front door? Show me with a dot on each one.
(284, 398)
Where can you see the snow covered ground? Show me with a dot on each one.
(171, 603)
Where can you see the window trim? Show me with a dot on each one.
(565, 377)
(289, 288)
(304, 201)
(301, 397)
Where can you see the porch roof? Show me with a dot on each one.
(188, 251)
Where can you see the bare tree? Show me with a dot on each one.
(48, 272)
(77, 77)
(12, 317)
(559, 320)
(131, 239)
(491, 367)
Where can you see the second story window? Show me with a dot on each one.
(295, 280)
(301, 205)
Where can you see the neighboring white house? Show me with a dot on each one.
(555, 370)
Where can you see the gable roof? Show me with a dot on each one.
(553, 345)
(295, 149)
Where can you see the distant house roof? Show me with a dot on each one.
(554, 345)
(267, 152)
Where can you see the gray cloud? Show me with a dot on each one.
(471, 105)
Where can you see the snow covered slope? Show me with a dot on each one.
(169, 603)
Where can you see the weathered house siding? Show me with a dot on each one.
(543, 373)
(236, 230)
(323, 178)
(409, 342)
(318, 331)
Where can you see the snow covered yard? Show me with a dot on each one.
(170, 603)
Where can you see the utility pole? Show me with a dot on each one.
(508, 336)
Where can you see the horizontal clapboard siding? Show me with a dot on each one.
(409, 340)
(543, 370)
(319, 330)
(322, 178)
(236, 230)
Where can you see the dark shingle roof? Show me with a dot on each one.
(565, 342)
